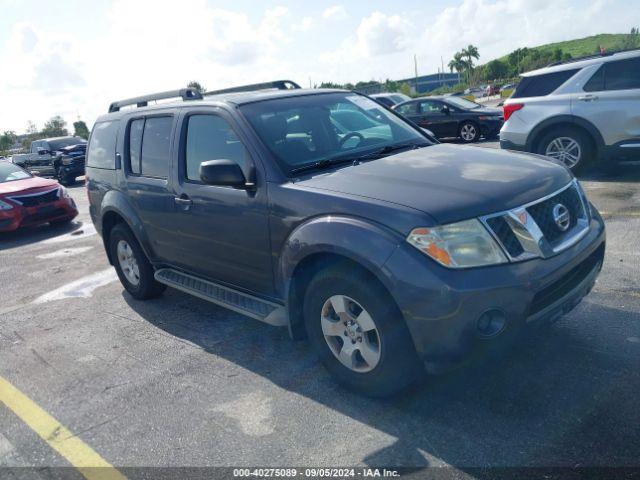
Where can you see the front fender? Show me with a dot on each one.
(118, 203)
(364, 242)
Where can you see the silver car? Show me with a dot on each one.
(578, 111)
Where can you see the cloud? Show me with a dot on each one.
(335, 12)
(305, 24)
(379, 34)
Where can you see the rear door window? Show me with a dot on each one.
(407, 108)
(135, 144)
(102, 145)
(541, 85)
(622, 75)
(156, 147)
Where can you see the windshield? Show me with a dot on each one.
(10, 172)
(463, 103)
(65, 142)
(308, 129)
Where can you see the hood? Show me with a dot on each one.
(449, 182)
(74, 150)
(20, 186)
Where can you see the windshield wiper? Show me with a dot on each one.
(330, 162)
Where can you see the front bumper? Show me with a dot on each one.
(490, 128)
(20, 216)
(441, 306)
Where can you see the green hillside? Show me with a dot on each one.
(583, 46)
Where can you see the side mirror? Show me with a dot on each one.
(222, 172)
(43, 151)
(35, 174)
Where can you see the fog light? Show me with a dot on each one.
(491, 323)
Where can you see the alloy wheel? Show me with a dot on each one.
(565, 149)
(350, 333)
(468, 132)
(128, 262)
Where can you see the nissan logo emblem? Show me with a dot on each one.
(562, 217)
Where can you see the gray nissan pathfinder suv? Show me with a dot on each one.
(321, 211)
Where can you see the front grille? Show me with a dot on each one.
(531, 231)
(34, 200)
(542, 213)
(504, 233)
(566, 283)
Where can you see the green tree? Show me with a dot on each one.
(458, 63)
(496, 69)
(80, 129)
(406, 89)
(7, 139)
(55, 127)
(197, 85)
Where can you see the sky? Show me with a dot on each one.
(72, 58)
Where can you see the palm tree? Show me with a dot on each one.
(470, 53)
(458, 63)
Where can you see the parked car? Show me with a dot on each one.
(27, 200)
(389, 252)
(453, 117)
(60, 157)
(390, 99)
(477, 92)
(578, 111)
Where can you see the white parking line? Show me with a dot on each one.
(65, 252)
(82, 288)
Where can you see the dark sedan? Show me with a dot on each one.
(453, 117)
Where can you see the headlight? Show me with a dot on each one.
(5, 205)
(63, 192)
(67, 160)
(458, 245)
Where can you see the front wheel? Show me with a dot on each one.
(64, 178)
(469, 132)
(131, 264)
(359, 333)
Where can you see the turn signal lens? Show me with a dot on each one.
(458, 245)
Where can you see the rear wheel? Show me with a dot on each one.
(568, 145)
(469, 132)
(131, 264)
(359, 333)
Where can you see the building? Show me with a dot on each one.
(418, 85)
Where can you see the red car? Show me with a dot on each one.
(26, 200)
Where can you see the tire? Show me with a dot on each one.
(469, 132)
(64, 179)
(137, 279)
(550, 145)
(397, 365)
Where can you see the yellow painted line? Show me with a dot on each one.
(78, 453)
(621, 214)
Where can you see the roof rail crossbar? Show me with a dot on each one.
(595, 55)
(188, 93)
(276, 84)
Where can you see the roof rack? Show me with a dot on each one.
(276, 84)
(188, 93)
(595, 55)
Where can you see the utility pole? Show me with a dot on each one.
(415, 68)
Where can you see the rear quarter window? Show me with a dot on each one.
(541, 85)
(102, 145)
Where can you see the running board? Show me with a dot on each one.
(248, 305)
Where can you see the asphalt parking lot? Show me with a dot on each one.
(177, 381)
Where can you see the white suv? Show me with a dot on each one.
(577, 111)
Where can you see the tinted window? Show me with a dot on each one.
(541, 85)
(102, 146)
(430, 107)
(210, 137)
(622, 75)
(385, 101)
(135, 144)
(407, 108)
(596, 82)
(156, 142)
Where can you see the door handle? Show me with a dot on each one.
(183, 201)
(588, 98)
